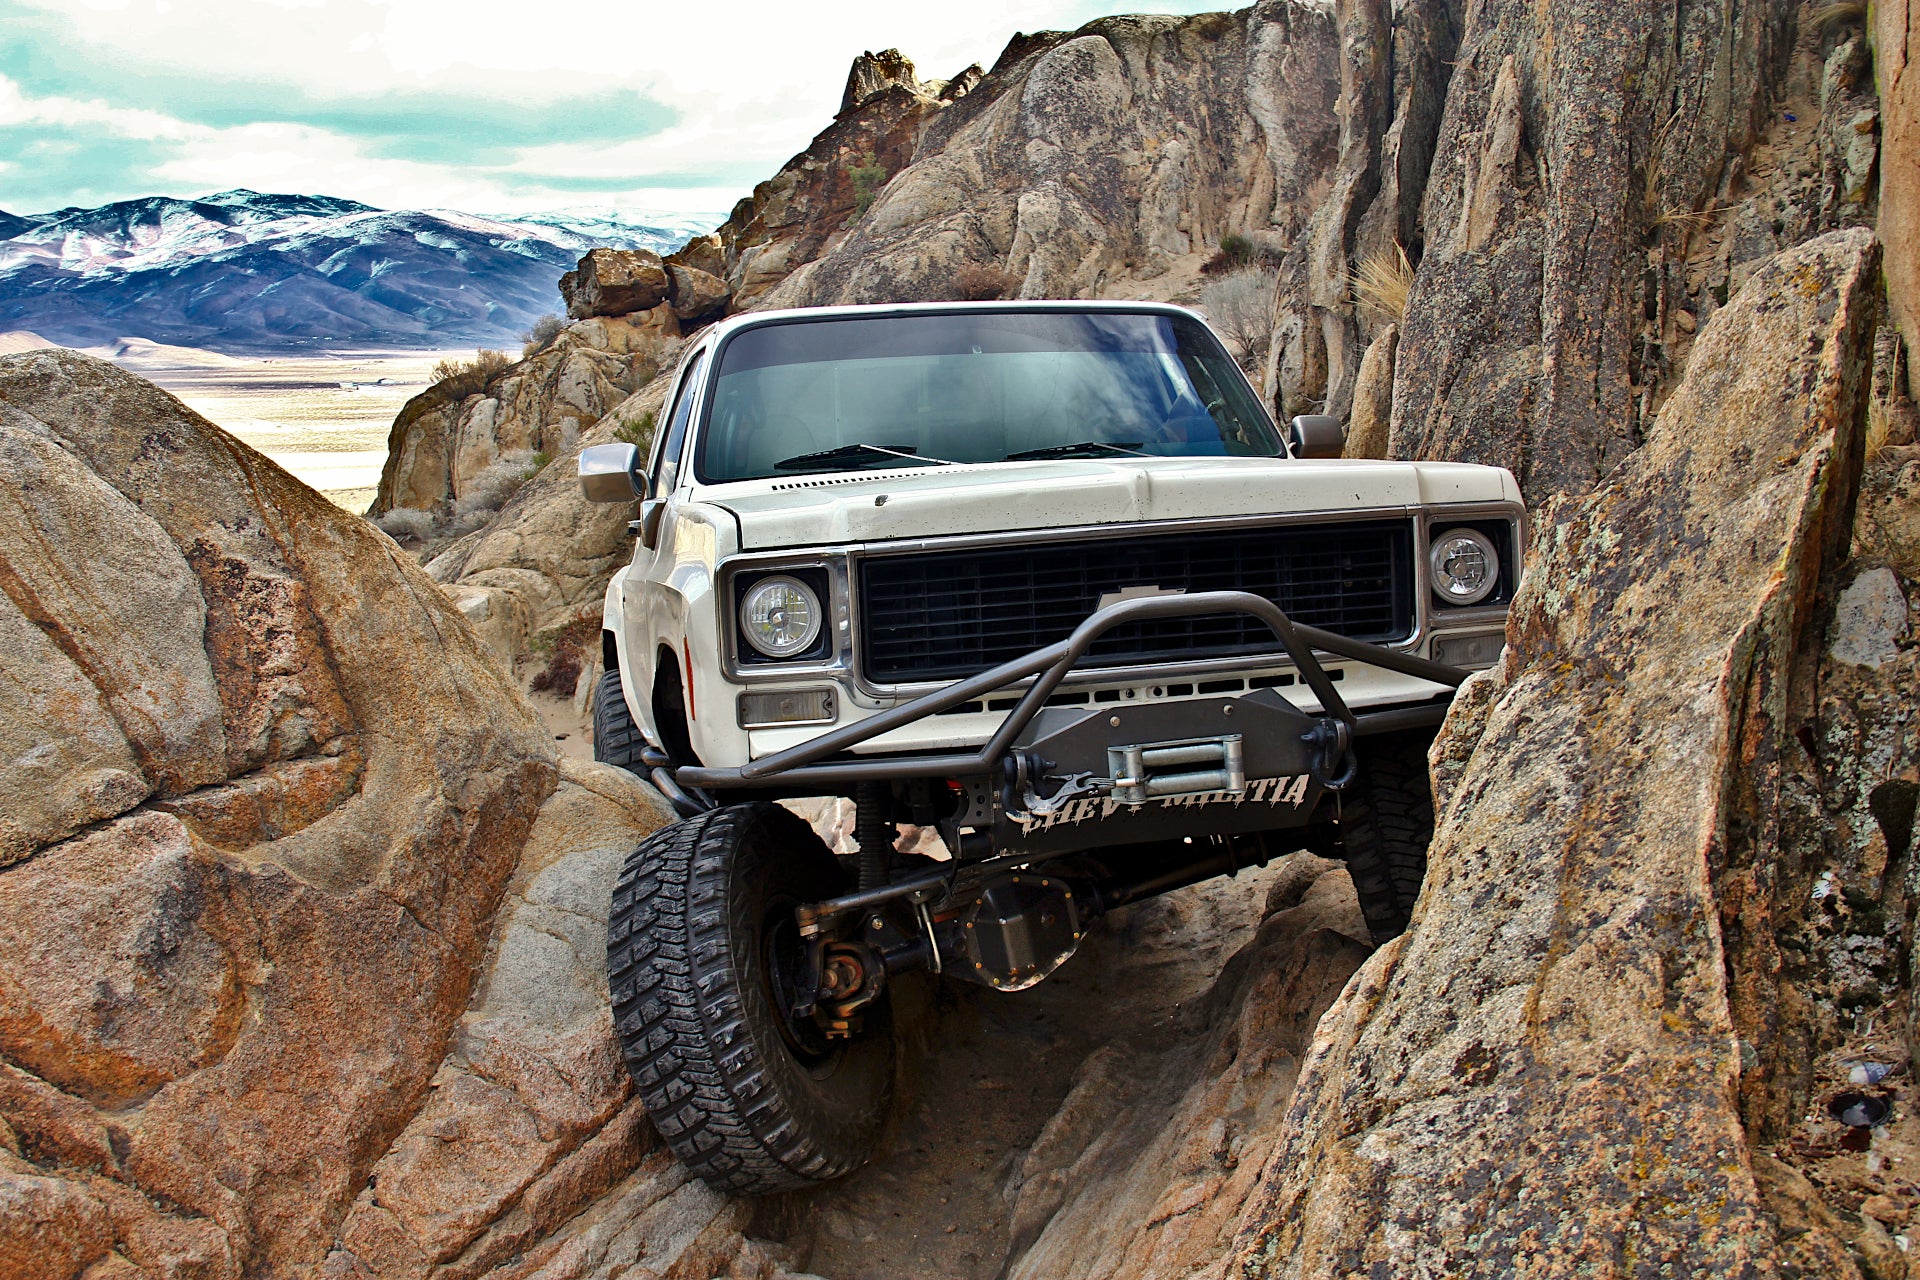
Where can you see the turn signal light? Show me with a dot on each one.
(760, 710)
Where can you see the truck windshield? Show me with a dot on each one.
(922, 389)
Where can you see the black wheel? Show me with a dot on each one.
(1386, 823)
(616, 738)
(700, 946)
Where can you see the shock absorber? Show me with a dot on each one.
(873, 834)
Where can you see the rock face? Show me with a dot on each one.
(807, 207)
(1556, 1046)
(1143, 1169)
(1576, 186)
(1896, 43)
(304, 913)
(1086, 163)
(548, 556)
(444, 440)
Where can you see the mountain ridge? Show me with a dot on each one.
(246, 271)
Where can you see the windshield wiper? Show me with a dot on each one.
(874, 452)
(1084, 449)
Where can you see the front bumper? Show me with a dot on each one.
(1038, 764)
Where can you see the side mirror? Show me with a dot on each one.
(611, 473)
(1315, 435)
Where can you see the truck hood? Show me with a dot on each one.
(931, 502)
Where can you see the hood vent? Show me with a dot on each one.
(811, 484)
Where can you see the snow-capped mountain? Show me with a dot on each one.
(243, 271)
(660, 232)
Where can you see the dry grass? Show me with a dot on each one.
(489, 490)
(541, 336)
(1652, 200)
(1829, 17)
(1887, 402)
(407, 524)
(977, 283)
(1241, 308)
(463, 378)
(1691, 219)
(1382, 281)
(1879, 421)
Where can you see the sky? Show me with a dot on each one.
(487, 106)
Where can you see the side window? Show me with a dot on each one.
(667, 474)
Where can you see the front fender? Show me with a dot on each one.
(673, 606)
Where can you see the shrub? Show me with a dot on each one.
(1236, 253)
(406, 524)
(569, 650)
(867, 178)
(489, 490)
(976, 282)
(541, 336)
(463, 378)
(1241, 308)
(636, 431)
(1382, 282)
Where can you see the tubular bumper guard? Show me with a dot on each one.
(811, 762)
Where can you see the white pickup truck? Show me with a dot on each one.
(1043, 577)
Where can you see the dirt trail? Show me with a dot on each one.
(986, 1071)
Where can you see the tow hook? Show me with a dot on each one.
(1333, 741)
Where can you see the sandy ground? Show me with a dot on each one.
(323, 416)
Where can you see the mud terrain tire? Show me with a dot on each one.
(746, 1102)
(616, 738)
(1386, 823)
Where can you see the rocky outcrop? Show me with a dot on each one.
(1565, 1058)
(623, 282)
(693, 294)
(1087, 163)
(1594, 194)
(615, 282)
(304, 913)
(446, 438)
(547, 558)
(1144, 1167)
(1896, 44)
(806, 208)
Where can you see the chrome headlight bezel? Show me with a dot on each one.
(756, 610)
(1453, 589)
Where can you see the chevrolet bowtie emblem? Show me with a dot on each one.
(1139, 593)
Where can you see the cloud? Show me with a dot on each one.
(447, 124)
(56, 165)
(484, 104)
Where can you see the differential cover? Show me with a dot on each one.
(1018, 930)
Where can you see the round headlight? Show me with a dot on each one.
(780, 616)
(1466, 568)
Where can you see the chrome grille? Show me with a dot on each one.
(942, 615)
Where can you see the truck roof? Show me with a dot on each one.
(749, 319)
